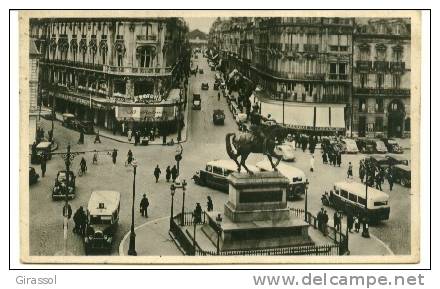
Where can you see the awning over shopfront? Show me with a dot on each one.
(306, 116)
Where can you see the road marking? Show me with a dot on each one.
(121, 244)
(383, 244)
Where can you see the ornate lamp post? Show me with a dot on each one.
(131, 248)
(306, 188)
(218, 220)
(173, 191)
(183, 202)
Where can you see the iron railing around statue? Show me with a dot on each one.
(331, 232)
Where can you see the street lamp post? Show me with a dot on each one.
(173, 191)
(306, 188)
(132, 245)
(183, 203)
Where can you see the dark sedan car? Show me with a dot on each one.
(402, 175)
(218, 117)
(366, 146)
(397, 160)
(392, 146)
(205, 86)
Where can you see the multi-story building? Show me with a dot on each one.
(381, 79)
(302, 62)
(198, 39)
(34, 56)
(118, 72)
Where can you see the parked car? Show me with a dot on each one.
(102, 220)
(349, 146)
(380, 161)
(205, 86)
(44, 147)
(392, 146)
(380, 147)
(33, 176)
(61, 185)
(285, 151)
(397, 160)
(86, 126)
(402, 175)
(200, 70)
(366, 146)
(218, 116)
(69, 120)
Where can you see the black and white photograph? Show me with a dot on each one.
(219, 136)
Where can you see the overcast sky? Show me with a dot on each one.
(201, 23)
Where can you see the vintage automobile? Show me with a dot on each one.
(379, 161)
(218, 117)
(392, 146)
(197, 102)
(379, 146)
(402, 175)
(69, 120)
(397, 160)
(86, 126)
(349, 146)
(63, 187)
(33, 176)
(366, 146)
(43, 147)
(200, 70)
(205, 86)
(284, 151)
(102, 220)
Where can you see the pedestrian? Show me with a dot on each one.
(325, 222)
(168, 173)
(83, 165)
(378, 180)
(218, 96)
(129, 134)
(82, 220)
(198, 214)
(312, 163)
(129, 157)
(174, 173)
(209, 204)
(81, 137)
(43, 164)
(319, 218)
(350, 222)
(357, 224)
(157, 173)
(144, 206)
(324, 157)
(336, 221)
(50, 134)
(362, 171)
(95, 157)
(350, 170)
(390, 179)
(114, 155)
(339, 158)
(97, 138)
(77, 221)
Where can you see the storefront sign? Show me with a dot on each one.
(149, 98)
(127, 112)
(73, 98)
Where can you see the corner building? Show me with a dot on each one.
(119, 72)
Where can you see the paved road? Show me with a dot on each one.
(204, 142)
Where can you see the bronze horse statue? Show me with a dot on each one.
(259, 140)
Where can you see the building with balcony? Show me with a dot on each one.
(302, 62)
(381, 77)
(118, 72)
(34, 56)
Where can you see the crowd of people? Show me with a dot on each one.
(374, 175)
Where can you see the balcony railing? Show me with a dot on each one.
(381, 66)
(70, 63)
(336, 76)
(383, 91)
(397, 66)
(138, 70)
(363, 66)
(146, 38)
(311, 47)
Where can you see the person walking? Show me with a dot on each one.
(97, 138)
(379, 180)
(144, 206)
(357, 224)
(325, 222)
(168, 173)
(77, 221)
(83, 165)
(174, 173)
(81, 137)
(43, 164)
(312, 163)
(218, 96)
(319, 218)
(350, 222)
(129, 134)
(114, 156)
(350, 171)
(198, 214)
(390, 178)
(362, 171)
(209, 204)
(336, 221)
(157, 173)
(129, 157)
(95, 157)
(339, 158)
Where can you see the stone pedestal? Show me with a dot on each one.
(256, 215)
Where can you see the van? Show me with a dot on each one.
(296, 177)
(216, 172)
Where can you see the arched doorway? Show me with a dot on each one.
(396, 116)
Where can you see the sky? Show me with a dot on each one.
(201, 23)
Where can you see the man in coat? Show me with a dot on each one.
(390, 178)
(114, 155)
(157, 173)
(174, 173)
(43, 164)
(168, 174)
(144, 206)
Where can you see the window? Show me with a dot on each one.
(397, 55)
(344, 194)
(209, 168)
(352, 198)
(228, 172)
(379, 104)
(217, 170)
(379, 124)
(383, 203)
(396, 81)
(381, 53)
(333, 48)
(364, 80)
(362, 201)
(379, 80)
(333, 68)
(362, 105)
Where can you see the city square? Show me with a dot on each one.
(149, 79)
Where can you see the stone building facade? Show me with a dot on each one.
(114, 71)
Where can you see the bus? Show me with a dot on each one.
(351, 197)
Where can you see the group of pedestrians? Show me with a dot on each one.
(322, 219)
(374, 176)
(170, 173)
(331, 157)
(303, 141)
